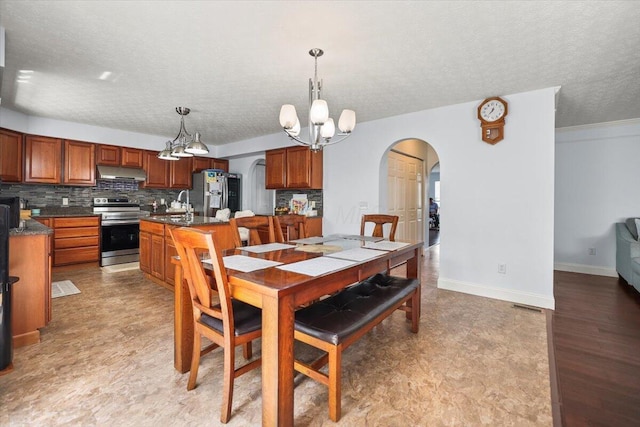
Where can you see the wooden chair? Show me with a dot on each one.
(254, 224)
(227, 324)
(379, 220)
(290, 227)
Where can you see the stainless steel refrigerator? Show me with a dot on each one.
(215, 189)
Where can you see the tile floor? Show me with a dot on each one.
(106, 358)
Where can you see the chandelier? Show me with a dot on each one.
(321, 127)
(183, 145)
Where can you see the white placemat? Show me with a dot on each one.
(245, 264)
(317, 266)
(356, 254)
(385, 245)
(268, 247)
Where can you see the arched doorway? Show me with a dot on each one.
(406, 186)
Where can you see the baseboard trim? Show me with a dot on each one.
(526, 298)
(586, 269)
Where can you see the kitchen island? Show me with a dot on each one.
(157, 249)
(30, 261)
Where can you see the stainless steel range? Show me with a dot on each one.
(120, 226)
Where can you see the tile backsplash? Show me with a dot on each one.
(42, 196)
(283, 197)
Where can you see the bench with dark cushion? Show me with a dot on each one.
(336, 322)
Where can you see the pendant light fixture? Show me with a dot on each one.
(321, 127)
(183, 145)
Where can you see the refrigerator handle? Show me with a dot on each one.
(225, 193)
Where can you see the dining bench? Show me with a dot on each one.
(336, 322)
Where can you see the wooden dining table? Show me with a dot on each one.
(278, 293)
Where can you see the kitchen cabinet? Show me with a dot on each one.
(30, 260)
(79, 163)
(202, 163)
(180, 173)
(221, 164)
(157, 170)
(76, 240)
(43, 160)
(10, 156)
(294, 168)
(157, 248)
(314, 226)
(152, 259)
(111, 155)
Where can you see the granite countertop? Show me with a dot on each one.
(65, 211)
(31, 228)
(197, 220)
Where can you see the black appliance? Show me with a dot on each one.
(120, 229)
(6, 282)
(14, 205)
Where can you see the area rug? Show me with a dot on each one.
(63, 288)
(121, 267)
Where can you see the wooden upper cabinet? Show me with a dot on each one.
(43, 160)
(202, 163)
(304, 168)
(111, 155)
(132, 157)
(157, 170)
(79, 163)
(108, 155)
(275, 174)
(10, 156)
(221, 164)
(180, 172)
(294, 168)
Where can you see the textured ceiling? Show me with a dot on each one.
(235, 63)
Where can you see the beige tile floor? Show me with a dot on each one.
(106, 359)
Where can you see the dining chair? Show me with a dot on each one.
(290, 227)
(379, 220)
(255, 225)
(228, 324)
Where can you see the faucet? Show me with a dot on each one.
(187, 213)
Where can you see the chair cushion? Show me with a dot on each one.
(335, 318)
(246, 318)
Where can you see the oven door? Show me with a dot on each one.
(120, 243)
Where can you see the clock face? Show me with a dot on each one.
(493, 110)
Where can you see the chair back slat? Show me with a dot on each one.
(379, 220)
(253, 224)
(191, 244)
(295, 226)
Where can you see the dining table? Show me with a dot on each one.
(306, 270)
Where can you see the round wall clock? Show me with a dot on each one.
(491, 113)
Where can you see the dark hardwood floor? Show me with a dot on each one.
(596, 337)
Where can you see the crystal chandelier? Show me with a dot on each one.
(183, 145)
(321, 127)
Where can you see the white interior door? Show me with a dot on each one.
(404, 186)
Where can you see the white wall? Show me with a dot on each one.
(497, 200)
(597, 179)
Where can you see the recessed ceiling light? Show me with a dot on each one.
(105, 75)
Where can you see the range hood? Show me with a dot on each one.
(118, 173)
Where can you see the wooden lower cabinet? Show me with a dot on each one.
(314, 226)
(157, 249)
(76, 240)
(31, 295)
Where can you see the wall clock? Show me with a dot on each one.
(491, 113)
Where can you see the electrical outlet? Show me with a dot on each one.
(65, 201)
(502, 268)
(313, 204)
(592, 251)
